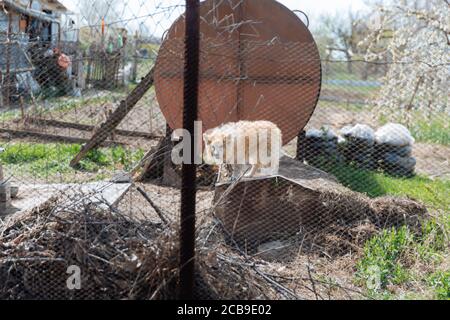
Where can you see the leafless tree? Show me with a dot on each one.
(345, 32)
(415, 35)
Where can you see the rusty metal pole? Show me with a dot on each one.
(188, 184)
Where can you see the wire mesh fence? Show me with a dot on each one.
(308, 187)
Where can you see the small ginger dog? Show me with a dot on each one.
(246, 148)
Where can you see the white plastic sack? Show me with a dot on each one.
(360, 131)
(323, 133)
(395, 135)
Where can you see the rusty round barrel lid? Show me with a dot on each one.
(258, 61)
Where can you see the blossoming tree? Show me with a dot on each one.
(413, 37)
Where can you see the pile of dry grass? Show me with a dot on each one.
(354, 219)
(123, 258)
(119, 258)
(324, 218)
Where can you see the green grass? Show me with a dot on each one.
(345, 106)
(381, 259)
(9, 115)
(434, 193)
(389, 259)
(342, 74)
(440, 282)
(344, 89)
(52, 160)
(403, 257)
(435, 130)
(62, 105)
(144, 66)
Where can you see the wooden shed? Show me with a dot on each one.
(27, 29)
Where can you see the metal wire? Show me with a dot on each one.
(92, 205)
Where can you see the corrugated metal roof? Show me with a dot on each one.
(54, 5)
(34, 13)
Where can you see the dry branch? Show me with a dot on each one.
(158, 211)
(122, 258)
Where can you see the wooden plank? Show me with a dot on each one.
(116, 117)
(52, 137)
(155, 163)
(86, 127)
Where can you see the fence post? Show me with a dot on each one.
(8, 84)
(1, 89)
(188, 184)
(135, 58)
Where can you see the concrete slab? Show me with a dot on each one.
(103, 194)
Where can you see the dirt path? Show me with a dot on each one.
(432, 160)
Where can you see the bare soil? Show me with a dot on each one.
(145, 116)
(432, 160)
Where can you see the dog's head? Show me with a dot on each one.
(214, 147)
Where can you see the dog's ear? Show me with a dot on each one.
(207, 137)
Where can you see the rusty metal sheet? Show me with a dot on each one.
(258, 61)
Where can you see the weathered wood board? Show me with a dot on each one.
(103, 194)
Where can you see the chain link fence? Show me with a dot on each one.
(353, 205)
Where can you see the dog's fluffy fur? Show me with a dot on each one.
(249, 148)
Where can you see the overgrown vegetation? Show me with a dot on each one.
(440, 281)
(435, 130)
(402, 258)
(52, 160)
(402, 262)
